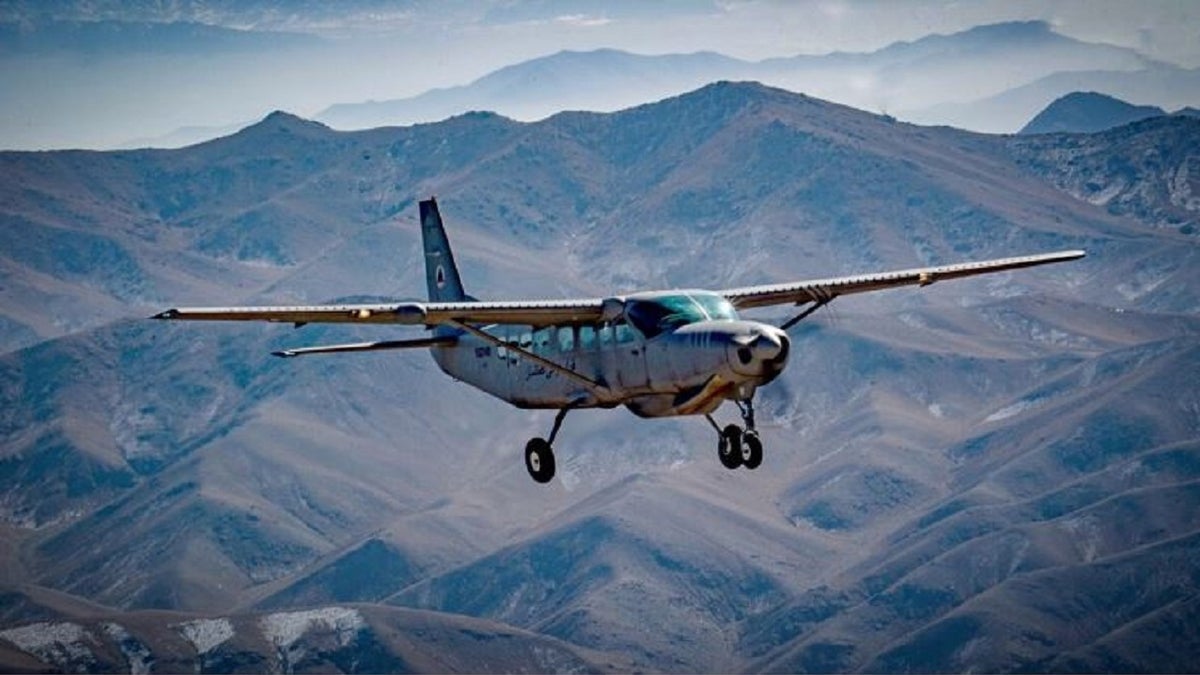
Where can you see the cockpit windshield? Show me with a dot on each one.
(652, 316)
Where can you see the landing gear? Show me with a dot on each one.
(539, 453)
(752, 454)
(737, 446)
(539, 460)
(729, 446)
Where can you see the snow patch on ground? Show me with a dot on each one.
(285, 628)
(62, 644)
(206, 634)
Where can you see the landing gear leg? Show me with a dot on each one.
(752, 452)
(539, 453)
(737, 446)
(729, 443)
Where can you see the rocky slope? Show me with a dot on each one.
(1148, 170)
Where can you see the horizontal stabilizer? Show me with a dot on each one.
(369, 346)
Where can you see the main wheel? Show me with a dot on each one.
(752, 454)
(539, 460)
(729, 447)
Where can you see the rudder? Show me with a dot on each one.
(441, 274)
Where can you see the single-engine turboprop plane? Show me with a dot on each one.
(658, 353)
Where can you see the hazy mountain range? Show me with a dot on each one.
(995, 474)
(176, 76)
(940, 79)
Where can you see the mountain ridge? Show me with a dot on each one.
(1087, 112)
(605, 80)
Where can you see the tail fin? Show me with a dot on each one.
(441, 274)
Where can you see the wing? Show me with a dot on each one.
(539, 313)
(823, 290)
(528, 313)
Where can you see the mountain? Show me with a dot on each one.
(1087, 112)
(979, 62)
(601, 80)
(901, 77)
(1168, 87)
(988, 474)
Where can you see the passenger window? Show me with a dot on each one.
(566, 338)
(587, 337)
(542, 337)
(526, 340)
(606, 335)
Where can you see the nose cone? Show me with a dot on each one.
(760, 353)
(767, 347)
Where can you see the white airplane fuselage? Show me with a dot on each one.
(689, 368)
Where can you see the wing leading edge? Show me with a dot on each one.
(824, 290)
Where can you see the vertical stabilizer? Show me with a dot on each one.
(441, 274)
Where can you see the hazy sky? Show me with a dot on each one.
(372, 49)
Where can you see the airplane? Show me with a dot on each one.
(658, 353)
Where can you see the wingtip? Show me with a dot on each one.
(168, 314)
(284, 353)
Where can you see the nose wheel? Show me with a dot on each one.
(738, 446)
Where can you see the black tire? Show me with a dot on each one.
(539, 460)
(729, 447)
(752, 454)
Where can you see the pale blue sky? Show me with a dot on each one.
(379, 50)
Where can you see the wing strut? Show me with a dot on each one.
(367, 346)
(593, 386)
(817, 304)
